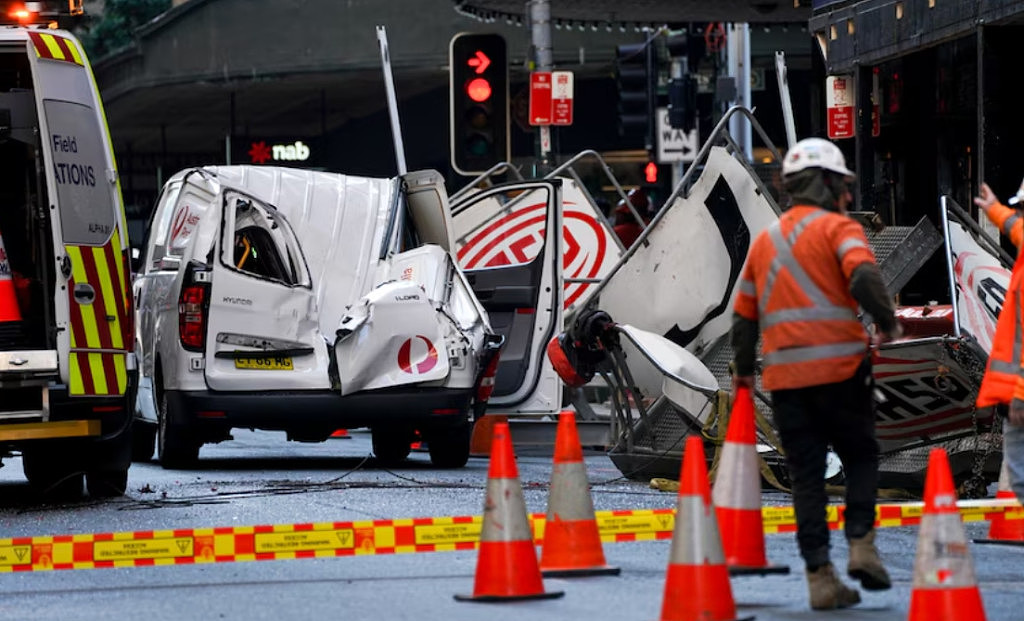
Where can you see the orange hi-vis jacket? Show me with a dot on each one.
(796, 285)
(1004, 375)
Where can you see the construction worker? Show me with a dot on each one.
(1003, 383)
(799, 292)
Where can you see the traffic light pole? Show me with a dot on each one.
(540, 32)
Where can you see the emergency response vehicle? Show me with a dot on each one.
(307, 302)
(66, 361)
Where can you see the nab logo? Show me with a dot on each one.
(518, 237)
(417, 359)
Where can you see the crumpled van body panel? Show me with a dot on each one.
(303, 301)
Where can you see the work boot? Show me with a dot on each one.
(828, 591)
(866, 566)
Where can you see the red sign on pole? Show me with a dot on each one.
(839, 98)
(561, 97)
(540, 98)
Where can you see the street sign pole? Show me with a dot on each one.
(540, 30)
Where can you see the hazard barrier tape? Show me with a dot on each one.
(401, 536)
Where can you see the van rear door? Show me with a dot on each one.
(92, 293)
(262, 326)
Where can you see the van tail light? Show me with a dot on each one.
(193, 304)
(489, 368)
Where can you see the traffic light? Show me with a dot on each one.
(637, 75)
(684, 52)
(478, 80)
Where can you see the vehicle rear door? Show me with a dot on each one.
(261, 331)
(505, 245)
(92, 292)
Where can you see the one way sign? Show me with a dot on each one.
(675, 145)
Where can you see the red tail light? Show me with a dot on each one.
(192, 305)
(485, 386)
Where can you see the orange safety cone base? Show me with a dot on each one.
(739, 570)
(928, 604)
(690, 594)
(483, 434)
(508, 598)
(607, 570)
(1004, 542)
(341, 433)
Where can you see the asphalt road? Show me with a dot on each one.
(260, 479)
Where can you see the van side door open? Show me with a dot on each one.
(262, 331)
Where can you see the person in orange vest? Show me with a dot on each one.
(799, 292)
(1003, 382)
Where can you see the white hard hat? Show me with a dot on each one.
(815, 153)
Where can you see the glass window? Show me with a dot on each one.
(505, 227)
(258, 241)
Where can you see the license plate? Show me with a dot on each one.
(263, 363)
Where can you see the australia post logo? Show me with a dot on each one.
(417, 355)
(518, 237)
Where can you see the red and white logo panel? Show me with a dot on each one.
(417, 356)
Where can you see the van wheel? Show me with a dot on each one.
(52, 474)
(391, 447)
(143, 441)
(449, 447)
(175, 448)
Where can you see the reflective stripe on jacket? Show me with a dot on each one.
(796, 285)
(1004, 375)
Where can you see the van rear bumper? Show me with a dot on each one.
(285, 410)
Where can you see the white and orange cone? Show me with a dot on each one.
(1006, 528)
(697, 582)
(572, 541)
(944, 584)
(506, 568)
(737, 494)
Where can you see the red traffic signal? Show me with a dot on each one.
(651, 172)
(478, 89)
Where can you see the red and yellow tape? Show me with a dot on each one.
(401, 536)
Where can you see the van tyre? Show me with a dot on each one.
(391, 447)
(53, 474)
(175, 448)
(449, 446)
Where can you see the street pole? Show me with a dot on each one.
(540, 31)
(739, 67)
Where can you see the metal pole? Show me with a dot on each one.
(389, 85)
(540, 31)
(949, 266)
(787, 104)
(739, 67)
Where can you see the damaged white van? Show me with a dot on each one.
(307, 302)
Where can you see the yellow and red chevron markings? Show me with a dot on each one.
(100, 330)
(401, 536)
(55, 47)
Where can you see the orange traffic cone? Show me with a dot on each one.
(572, 543)
(737, 494)
(697, 582)
(506, 567)
(483, 434)
(340, 433)
(1006, 528)
(9, 310)
(944, 585)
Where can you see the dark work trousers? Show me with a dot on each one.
(809, 420)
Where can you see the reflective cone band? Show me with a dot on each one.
(506, 566)
(9, 310)
(737, 493)
(944, 584)
(572, 542)
(1008, 527)
(697, 581)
